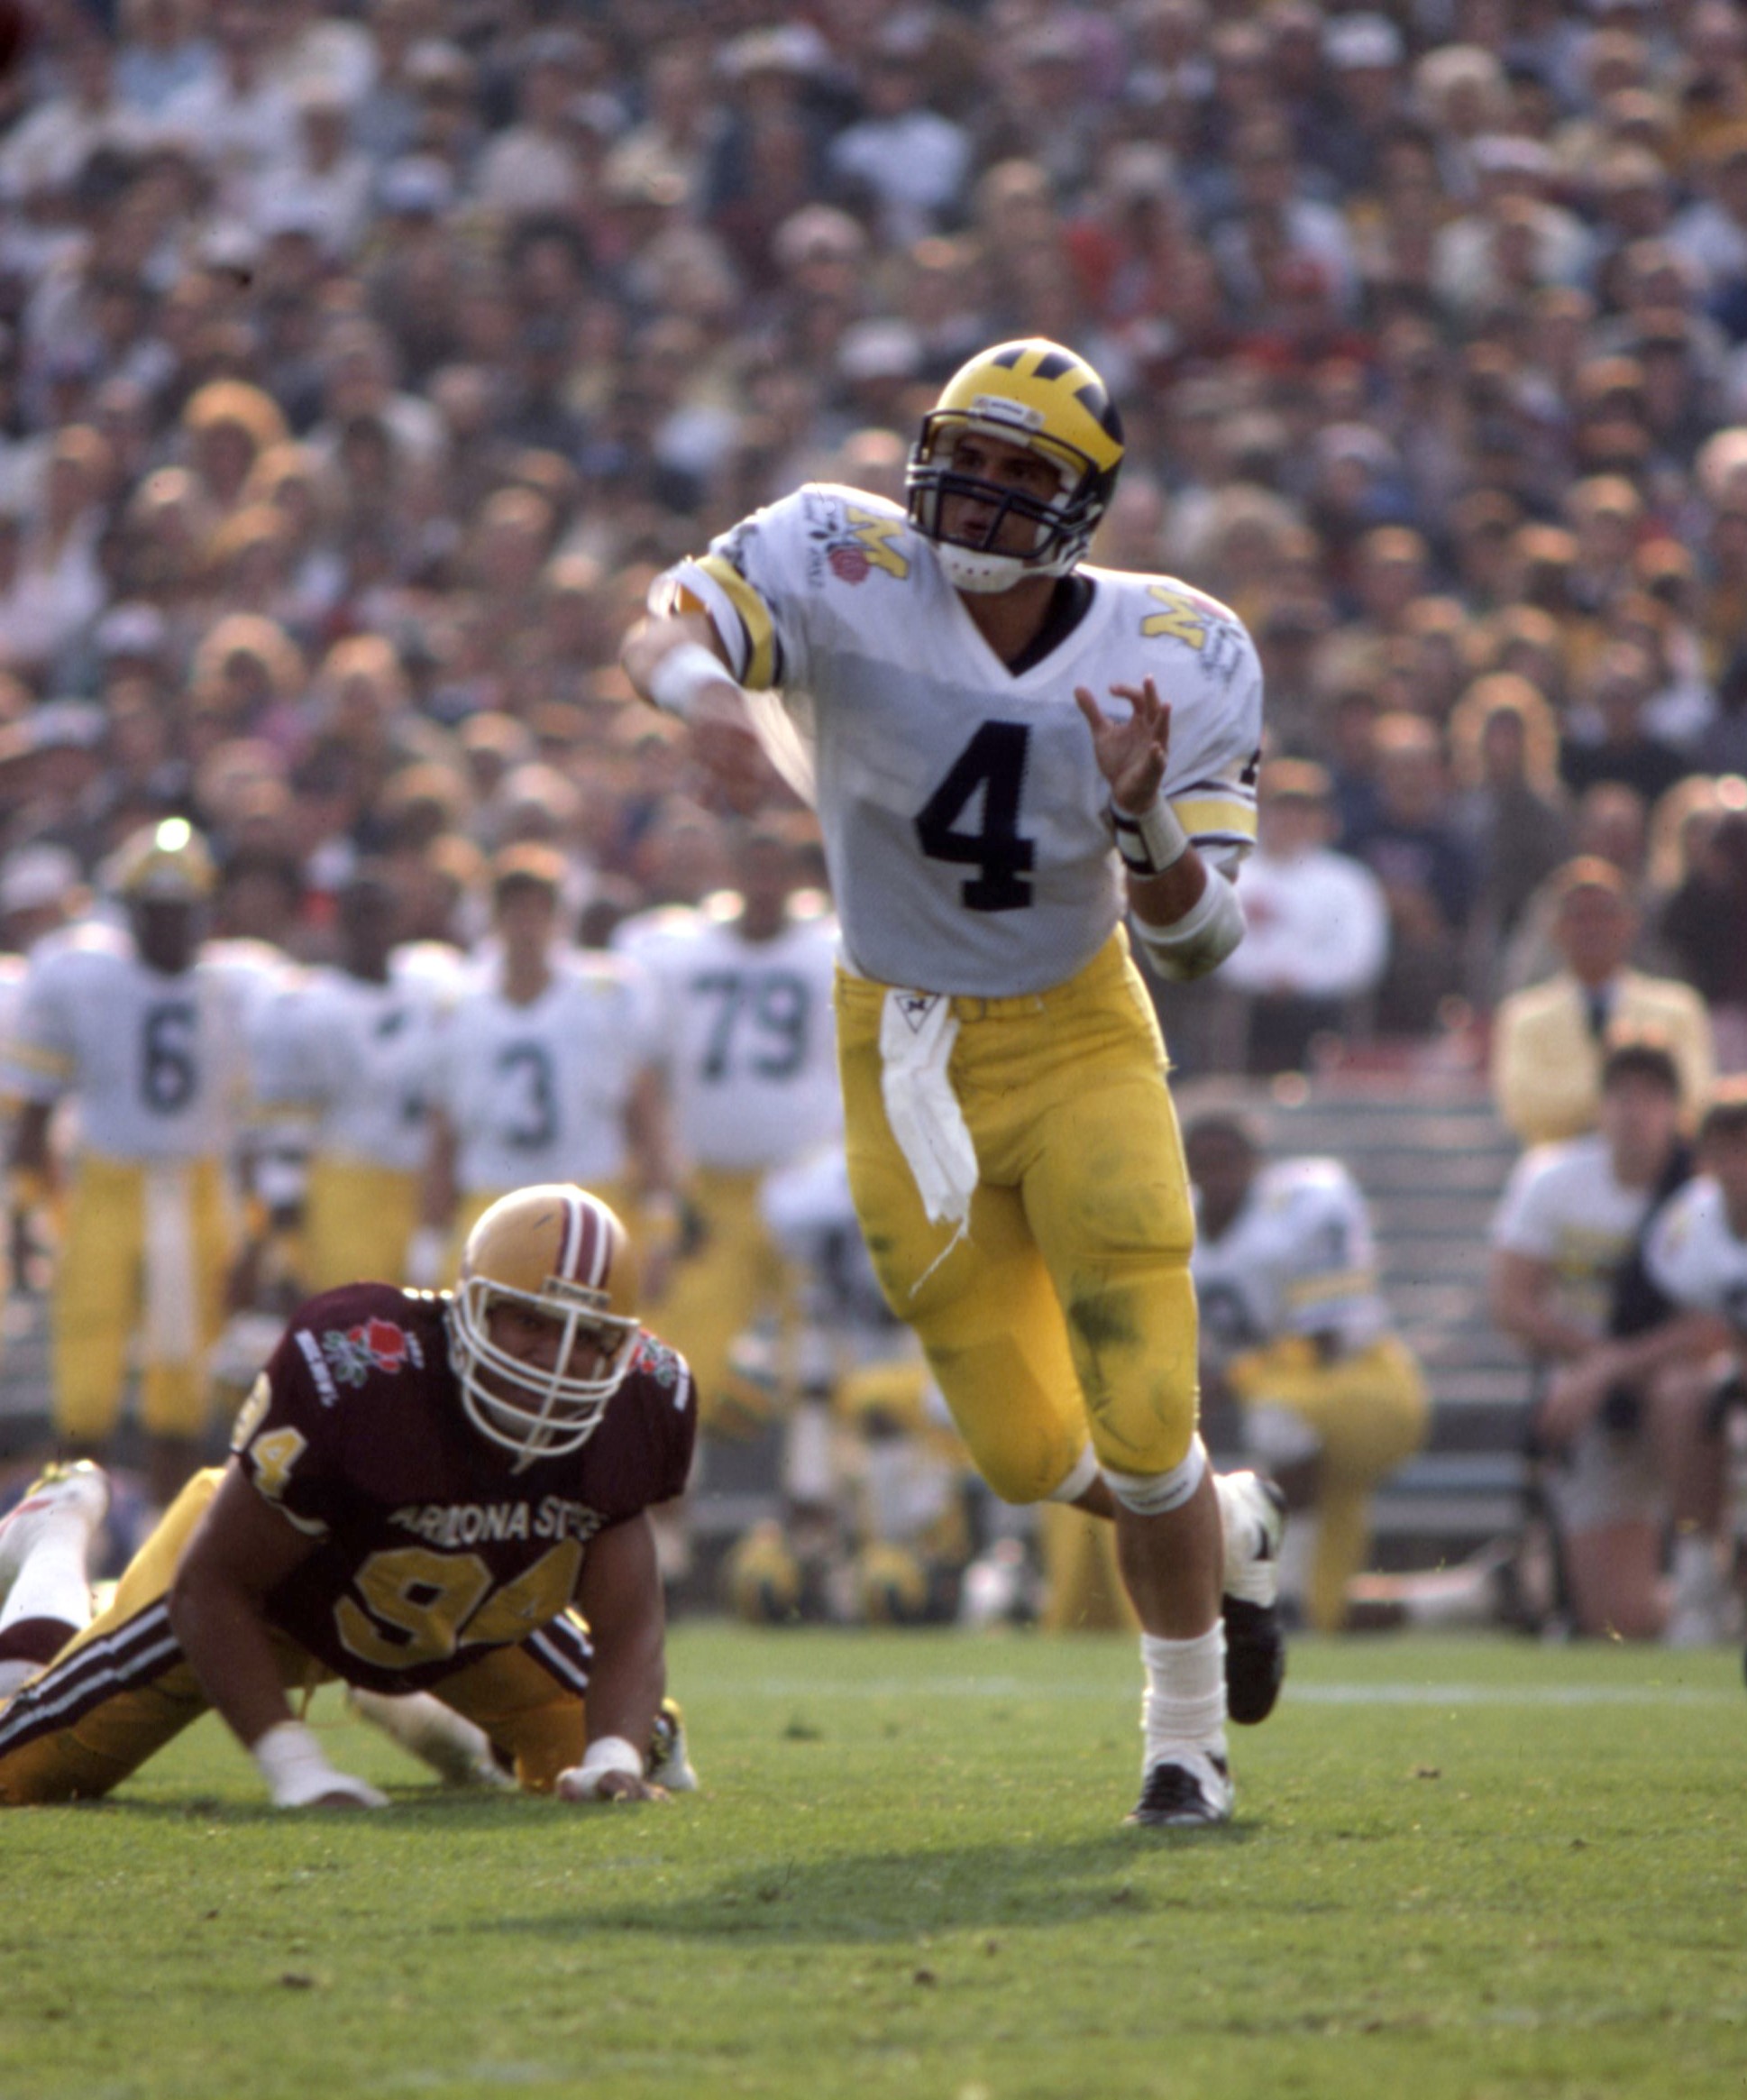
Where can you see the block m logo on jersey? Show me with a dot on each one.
(866, 546)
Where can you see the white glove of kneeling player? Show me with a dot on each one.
(611, 1770)
(299, 1776)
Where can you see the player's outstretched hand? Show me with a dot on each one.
(1130, 750)
(349, 1794)
(576, 1785)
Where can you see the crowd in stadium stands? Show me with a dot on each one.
(361, 365)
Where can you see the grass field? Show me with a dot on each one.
(1460, 1868)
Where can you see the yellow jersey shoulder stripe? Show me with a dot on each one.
(758, 629)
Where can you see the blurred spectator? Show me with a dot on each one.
(1414, 846)
(1511, 807)
(1548, 1041)
(1317, 927)
(1607, 739)
(1704, 923)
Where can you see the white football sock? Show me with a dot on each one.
(52, 1583)
(1184, 1704)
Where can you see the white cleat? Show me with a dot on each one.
(1191, 1790)
(1254, 1513)
(669, 1762)
(78, 1490)
(457, 1752)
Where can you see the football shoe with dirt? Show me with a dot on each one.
(1189, 1791)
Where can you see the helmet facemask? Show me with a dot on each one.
(538, 1414)
(1064, 524)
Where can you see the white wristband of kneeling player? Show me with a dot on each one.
(680, 677)
(1151, 842)
(605, 1755)
(291, 1762)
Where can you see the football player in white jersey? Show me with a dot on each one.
(750, 1054)
(1695, 1254)
(340, 1061)
(545, 1067)
(146, 1035)
(1296, 1330)
(1623, 1415)
(1009, 752)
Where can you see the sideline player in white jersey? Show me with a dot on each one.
(1296, 1330)
(545, 1067)
(146, 1035)
(340, 1060)
(1695, 1254)
(750, 1055)
(1622, 1414)
(937, 678)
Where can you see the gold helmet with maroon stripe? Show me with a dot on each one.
(558, 1253)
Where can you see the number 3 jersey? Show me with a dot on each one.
(158, 1063)
(432, 1548)
(962, 806)
(539, 1092)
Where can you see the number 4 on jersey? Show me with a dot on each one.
(993, 761)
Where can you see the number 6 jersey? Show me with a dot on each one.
(962, 806)
(157, 1063)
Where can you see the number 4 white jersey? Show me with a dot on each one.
(962, 807)
(1694, 1257)
(539, 1092)
(1298, 1258)
(158, 1063)
(749, 1045)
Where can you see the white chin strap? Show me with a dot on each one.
(981, 574)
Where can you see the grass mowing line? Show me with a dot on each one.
(1070, 1690)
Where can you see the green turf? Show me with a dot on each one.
(1458, 1869)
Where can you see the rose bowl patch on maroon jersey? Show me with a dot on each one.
(374, 1345)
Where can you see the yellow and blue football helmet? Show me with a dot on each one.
(1035, 394)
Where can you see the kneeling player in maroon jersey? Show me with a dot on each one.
(429, 1493)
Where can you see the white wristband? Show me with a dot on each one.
(290, 1761)
(606, 1753)
(1151, 842)
(682, 674)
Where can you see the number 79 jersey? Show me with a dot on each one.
(961, 803)
(157, 1063)
(749, 1047)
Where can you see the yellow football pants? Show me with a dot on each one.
(1067, 1309)
(357, 1221)
(736, 1274)
(147, 1249)
(1370, 1412)
(120, 1691)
